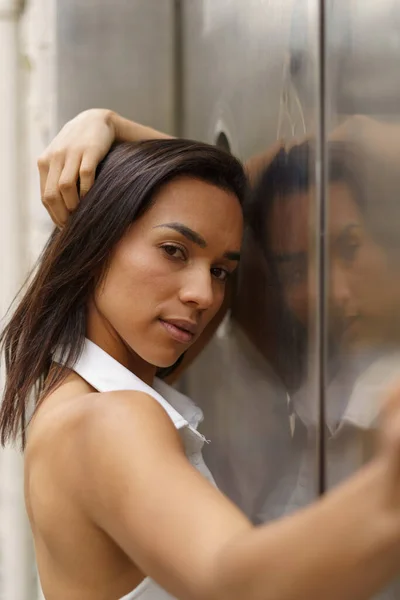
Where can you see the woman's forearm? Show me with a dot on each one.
(344, 548)
(129, 131)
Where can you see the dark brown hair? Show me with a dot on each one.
(52, 311)
(372, 180)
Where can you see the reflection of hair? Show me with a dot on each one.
(52, 312)
(288, 173)
(373, 183)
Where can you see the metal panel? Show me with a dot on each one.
(364, 38)
(117, 55)
(236, 72)
(250, 76)
(363, 234)
(238, 91)
(364, 45)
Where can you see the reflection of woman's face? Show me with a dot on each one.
(364, 286)
(167, 276)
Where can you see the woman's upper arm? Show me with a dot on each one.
(136, 483)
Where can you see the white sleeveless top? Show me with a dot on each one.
(105, 374)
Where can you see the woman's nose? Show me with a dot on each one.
(340, 290)
(197, 288)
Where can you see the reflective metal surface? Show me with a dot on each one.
(239, 92)
(256, 380)
(363, 234)
(118, 55)
(236, 70)
(364, 41)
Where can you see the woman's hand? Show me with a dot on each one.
(389, 438)
(75, 152)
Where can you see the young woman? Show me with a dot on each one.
(116, 491)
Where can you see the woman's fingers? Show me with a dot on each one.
(74, 154)
(43, 164)
(390, 439)
(87, 171)
(58, 182)
(68, 182)
(52, 198)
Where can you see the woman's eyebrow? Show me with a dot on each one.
(232, 255)
(346, 230)
(191, 235)
(290, 257)
(196, 238)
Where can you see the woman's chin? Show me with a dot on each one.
(165, 360)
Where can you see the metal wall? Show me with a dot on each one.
(235, 72)
(238, 88)
(118, 55)
(362, 232)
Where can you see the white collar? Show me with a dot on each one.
(359, 391)
(106, 374)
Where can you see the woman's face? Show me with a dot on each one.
(168, 274)
(364, 287)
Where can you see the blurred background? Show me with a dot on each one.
(308, 91)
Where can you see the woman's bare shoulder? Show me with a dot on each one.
(89, 428)
(85, 414)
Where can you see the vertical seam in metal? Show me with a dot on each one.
(182, 384)
(178, 68)
(322, 242)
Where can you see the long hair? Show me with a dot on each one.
(52, 311)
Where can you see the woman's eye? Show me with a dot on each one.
(174, 251)
(348, 250)
(220, 274)
(293, 275)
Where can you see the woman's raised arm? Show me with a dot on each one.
(75, 153)
(125, 466)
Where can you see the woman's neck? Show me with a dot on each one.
(100, 332)
(116, 347)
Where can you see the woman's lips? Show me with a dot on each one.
(177, 333)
